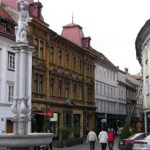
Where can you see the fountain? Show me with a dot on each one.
(21, 139)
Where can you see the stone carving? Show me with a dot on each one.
(21, 29)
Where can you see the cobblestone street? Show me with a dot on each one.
(85, 146)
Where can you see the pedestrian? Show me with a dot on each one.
(103, 137)
(92, 138)
(111, 138)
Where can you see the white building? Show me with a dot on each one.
(111, 108)
(115, 94)
(7, 70)
(143, 55)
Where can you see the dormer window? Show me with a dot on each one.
(4, 25)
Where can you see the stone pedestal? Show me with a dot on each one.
(25, 142)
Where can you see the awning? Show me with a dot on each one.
(48, 113)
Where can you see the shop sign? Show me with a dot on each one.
(50, 113)
(103, 120)
(55, 117)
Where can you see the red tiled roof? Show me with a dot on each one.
(4, 14)
(73, 33)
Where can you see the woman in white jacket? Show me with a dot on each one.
(103, 137)
(91, 138)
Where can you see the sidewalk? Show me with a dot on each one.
(85, 146)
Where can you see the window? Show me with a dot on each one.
(41, 49)
(11, 61)
(80, 66)
(114, 76)
(88, 68)
(80, 92)
(4, 25)
(41, 84)
(74, 63)
(66, 89)
(52, 54)
(10, 92)
(60, 58)
(96, 88)
(101, 90)
(67, 65)
(35, 83)
(52, 82)
(36, 42)
(74, 91)
(89, 93)
(147, 85)
(146, 56)
(105, 90)
(60, 88)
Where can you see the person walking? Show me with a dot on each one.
(103, 137)
(111, 138)
(91, 138)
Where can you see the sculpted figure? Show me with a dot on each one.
(21, 29)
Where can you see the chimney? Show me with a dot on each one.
(126, 70)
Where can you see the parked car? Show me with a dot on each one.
(143, 144)
(127, 144)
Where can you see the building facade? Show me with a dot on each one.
(7, 70)
(111, 110)
(142, 44)
(63, 82)
(74, 87)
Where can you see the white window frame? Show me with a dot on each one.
(10, 92)
(11, 61)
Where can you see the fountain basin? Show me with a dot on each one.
(30, 140)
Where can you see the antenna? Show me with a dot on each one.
(72, 17)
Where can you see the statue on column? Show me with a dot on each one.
(21, 29)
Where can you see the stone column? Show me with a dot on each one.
(22, 96)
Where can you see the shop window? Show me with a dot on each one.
(77, 125)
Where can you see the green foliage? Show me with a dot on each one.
(66, 132)
(127, 131)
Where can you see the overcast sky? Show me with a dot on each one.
(113, 25)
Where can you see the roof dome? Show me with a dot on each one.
(13, 3)
(73, 32)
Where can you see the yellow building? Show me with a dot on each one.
(62, 83)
